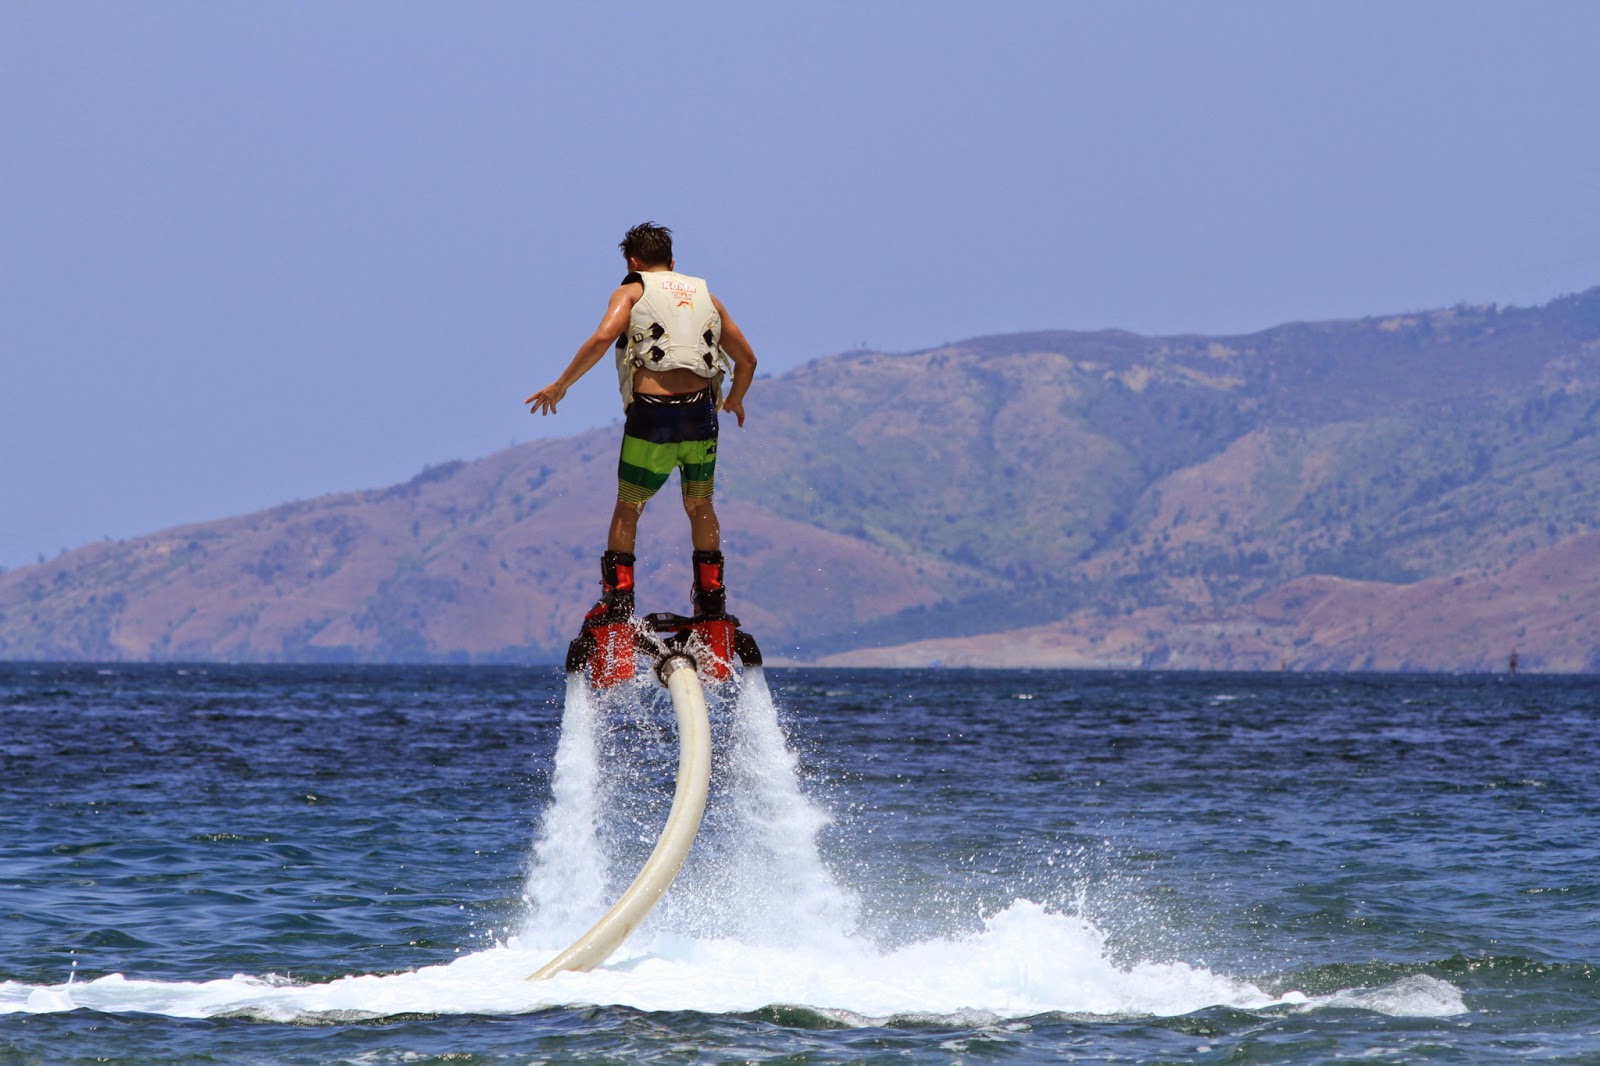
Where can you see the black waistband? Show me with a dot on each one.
(676, 399)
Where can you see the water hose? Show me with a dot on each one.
(677, 672)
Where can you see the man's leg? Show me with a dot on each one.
(642, 468)
(710, 596)
(624, 530)
(635, 485)
(616, 567)
(697, 471)
(704, 531)
(698, 466)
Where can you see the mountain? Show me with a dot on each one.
(1415, 491)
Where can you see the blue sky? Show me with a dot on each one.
(254, 252)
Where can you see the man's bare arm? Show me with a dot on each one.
(591, 351)
(744, 362)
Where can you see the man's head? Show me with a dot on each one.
(649, 244)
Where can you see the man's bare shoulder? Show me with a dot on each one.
(630, 292)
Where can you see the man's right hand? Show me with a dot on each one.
(545, 400)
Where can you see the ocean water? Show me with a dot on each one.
(237, 864)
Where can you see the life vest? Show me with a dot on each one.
(674, 326)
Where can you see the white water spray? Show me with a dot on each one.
(755, 876)
(779, 892)
(566, 886)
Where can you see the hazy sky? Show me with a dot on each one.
(253, 252)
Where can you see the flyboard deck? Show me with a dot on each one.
(601, 655)
(608, 652)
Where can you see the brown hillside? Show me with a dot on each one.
(485, 560)
(1337, 495)
(1543, 608)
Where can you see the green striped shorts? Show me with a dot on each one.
(667, 433)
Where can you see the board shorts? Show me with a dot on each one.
(667, 433)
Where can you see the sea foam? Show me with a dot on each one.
(760, 923)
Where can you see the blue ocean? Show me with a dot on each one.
(290, 864)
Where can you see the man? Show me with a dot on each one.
(674, 342)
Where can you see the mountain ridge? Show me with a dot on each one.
(1106, 492)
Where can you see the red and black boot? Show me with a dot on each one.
(710, 595)
(610, 622)
(616, 590)
(711, 620)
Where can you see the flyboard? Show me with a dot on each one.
(682, 649)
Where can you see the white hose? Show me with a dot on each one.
(683, 822)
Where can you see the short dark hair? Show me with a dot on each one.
(649, 243)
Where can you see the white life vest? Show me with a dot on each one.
(674, 326)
